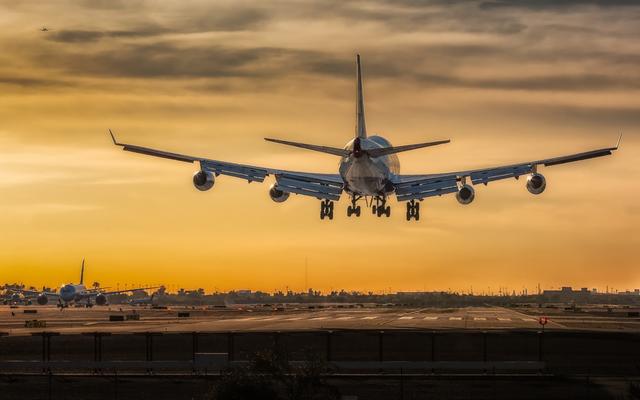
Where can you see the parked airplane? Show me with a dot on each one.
(76, 293)
(369, 169)
(15, 297)
(143, 301)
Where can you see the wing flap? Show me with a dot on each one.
(238, 171)
(429, 187)
(495, 174)
(308, 186)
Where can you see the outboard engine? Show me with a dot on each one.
(42, 299)
(465, 194)
(536, 183)
(278, 195)
(101, 299)
(203, 180)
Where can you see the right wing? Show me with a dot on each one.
(321, 186)
(418, 187)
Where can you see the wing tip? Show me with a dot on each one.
(113, 138)
(618, 142)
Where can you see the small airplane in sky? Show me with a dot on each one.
(77, 293)
(369, 169)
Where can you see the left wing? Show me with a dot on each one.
(321, 186)
(418, 187)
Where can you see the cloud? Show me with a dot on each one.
(555, 4)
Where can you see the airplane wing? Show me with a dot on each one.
(418, 187)
(35, 293)
(121, 291)
(321, 186)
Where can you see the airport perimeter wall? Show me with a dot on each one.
(582, 352)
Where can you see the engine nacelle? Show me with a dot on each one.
(203, 180)
(278, 195)
(536, 183)
(465, 194)
(42, 299)
(101, 299)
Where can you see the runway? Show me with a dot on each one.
(80, 320)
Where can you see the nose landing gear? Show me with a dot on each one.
(413, 210)
(354, 208)
(326, 209)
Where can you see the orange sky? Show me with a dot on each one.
(505, 83)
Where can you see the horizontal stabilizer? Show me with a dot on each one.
(323, 149)
(397, 149)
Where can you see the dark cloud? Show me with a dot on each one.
(167, 60)
(207, 20)
(33, 82)
(583, 82)
(555, 4)
(79, 36)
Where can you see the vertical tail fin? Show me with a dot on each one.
(82, 273)
(361, 129)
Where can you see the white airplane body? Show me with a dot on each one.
(71, 293)
(369, 168)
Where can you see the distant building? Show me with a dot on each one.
(567, 291)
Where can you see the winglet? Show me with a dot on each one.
(114, 138)
(619, 140)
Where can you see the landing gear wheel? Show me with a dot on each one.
(326, 209)
(413, 210)
(374, 209)
(381, 208)
(354, 208)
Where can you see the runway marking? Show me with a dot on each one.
(317, 318)
(504, 319)
(430, 318)
(343, 318)
(479, 319)
(455, 318)
(267, 319)
(247, 319)
(528, 319)
(293, 319)
(370, 317)
(406, 318)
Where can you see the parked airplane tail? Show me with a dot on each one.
(82, 273)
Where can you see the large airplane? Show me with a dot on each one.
(369, 169)
(78, 293)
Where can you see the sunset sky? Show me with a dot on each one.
(506, 81)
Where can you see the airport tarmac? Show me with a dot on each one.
(96, 319)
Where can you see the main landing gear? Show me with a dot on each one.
(326, 209)
(413, 210)
(381, 208)
(353, 208)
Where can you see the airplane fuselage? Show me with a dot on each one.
(70, 293)
(366, 176)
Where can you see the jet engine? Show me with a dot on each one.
(42, 299)
(101, 299)
(536, 183)
(465, 194)
(278, 195)
(203, 180)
